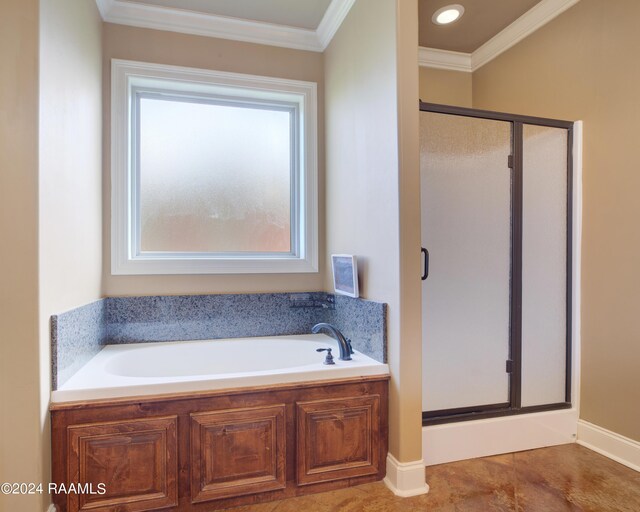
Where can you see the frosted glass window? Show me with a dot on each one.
(466, 226)
(544, 265)
(212, 172)
(214, 177)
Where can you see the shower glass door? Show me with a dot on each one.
(496, 194)
(466, 227)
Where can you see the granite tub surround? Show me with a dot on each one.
(201, 317)
(79, 334)
(364, 322)
(76, 336)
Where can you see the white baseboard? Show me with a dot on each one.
(405, 479)
(619, 448)
(481, 438)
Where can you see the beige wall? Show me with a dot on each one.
(445, 87)
(70, 204)
(408, 353)
(21, 445)
(582, 66)
(361, 72)
(122, 42)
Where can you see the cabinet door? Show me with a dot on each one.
(237, 452)
(137, 461)
(338, 439)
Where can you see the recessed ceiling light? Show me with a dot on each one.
(447, 14)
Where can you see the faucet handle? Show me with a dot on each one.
(349, 345)
(329, 358)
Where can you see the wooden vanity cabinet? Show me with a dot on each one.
(237, 452)
(337, 439)
(213, 450)
(136, 460)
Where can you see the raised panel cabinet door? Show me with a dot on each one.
(136, 460)
(237, 452)
(337, 439)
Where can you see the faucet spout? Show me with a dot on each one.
(343, 343)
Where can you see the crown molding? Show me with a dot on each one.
(535, 18)
(332, 19)
(104, 6)
(444, 59)
(209, 25)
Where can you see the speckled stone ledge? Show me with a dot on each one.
(364, 322)
(76, 336)
(201, 317)
(79, 334)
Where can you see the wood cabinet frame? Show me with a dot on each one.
(245, 473)
(272, 412)
(337, 439)
(145, 439)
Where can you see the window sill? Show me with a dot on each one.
(157, 266)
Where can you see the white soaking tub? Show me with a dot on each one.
(182, 366)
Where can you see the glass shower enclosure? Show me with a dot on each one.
(496, 234)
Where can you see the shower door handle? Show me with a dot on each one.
(425, 271)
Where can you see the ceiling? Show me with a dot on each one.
(487, 28)
(305, 14)
(482, 20)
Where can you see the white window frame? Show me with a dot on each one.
(129, 78)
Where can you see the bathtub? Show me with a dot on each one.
(184, 366)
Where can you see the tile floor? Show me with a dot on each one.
(557, 479)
